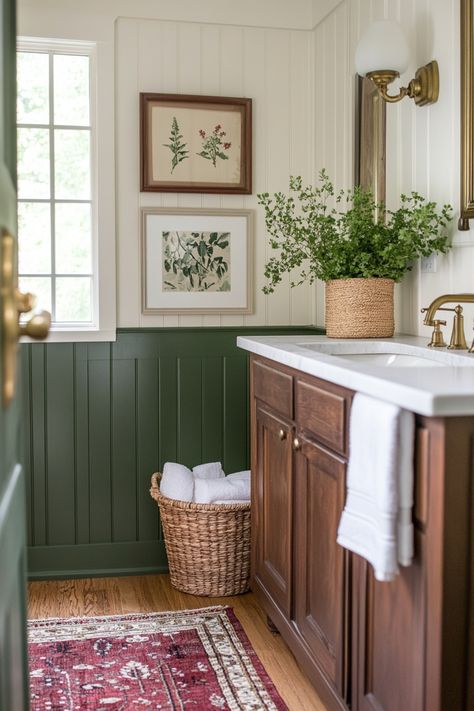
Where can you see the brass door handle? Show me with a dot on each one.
(296, 444)
(281, 435)
(38, 326)
(14, 303)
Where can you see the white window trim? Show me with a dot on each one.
(102, 190)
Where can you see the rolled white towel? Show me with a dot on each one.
(240, 475)
(212, 470)
(177, 482)
(208, 491)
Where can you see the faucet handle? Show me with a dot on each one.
(458, 339)
(437, 338)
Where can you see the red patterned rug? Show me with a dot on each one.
(194, 660)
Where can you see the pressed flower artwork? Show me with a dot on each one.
(176, 145)
(195, 144)
(213, 146)
(196, 261)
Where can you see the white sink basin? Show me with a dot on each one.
(389, 354)
(393, 360)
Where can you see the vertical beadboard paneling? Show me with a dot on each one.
(189, 411)
(277, 97)
(38, 444)
(181, 57)
(81, 384)
(147, 408)
(124, 450)
(100, 481)
(127, 173)
(168, 400)
(60, 445)
(422, 143)
(212, 409)
(27, 450)
(235, 418)
(104, 417)
(300, 153)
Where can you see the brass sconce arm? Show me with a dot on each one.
(424, 88)
(382, 79)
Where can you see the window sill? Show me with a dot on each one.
(72, 335)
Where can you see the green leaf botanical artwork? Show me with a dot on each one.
(196, 261)
(176, 145)
(213, 146)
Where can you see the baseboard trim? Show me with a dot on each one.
(96, 560)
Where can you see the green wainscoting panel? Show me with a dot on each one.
(103, 417)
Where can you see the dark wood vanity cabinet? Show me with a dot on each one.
(369, 646)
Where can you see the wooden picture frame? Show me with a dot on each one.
(191, 143)
(197, 261)
(370, 139)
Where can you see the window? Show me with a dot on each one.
(58, 256)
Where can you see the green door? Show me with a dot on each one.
(13, 660)
(13, 657)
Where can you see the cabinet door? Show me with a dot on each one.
(320, 598)
(390, 619)
(272, 507)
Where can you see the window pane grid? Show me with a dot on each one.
(52, 193)
(74, 288)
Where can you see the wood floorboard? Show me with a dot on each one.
(154, 593)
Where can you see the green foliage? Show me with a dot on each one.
(197, 260)
(176, 145)
(363, 240)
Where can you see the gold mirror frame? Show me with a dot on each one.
(370, 138)
(467, 115)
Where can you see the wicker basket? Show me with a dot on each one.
(359, 308)
(208, 545)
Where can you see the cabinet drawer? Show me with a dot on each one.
(323, 413)
(273, 387)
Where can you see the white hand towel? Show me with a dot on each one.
(212, 470)
(377, 522)
(177, 482)
(240, 475)
(208, 491)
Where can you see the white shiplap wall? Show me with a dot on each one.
(272, 66)
(422, 143)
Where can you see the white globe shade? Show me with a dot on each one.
(383, 46)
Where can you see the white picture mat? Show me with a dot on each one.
(155, 298)
(194, 168)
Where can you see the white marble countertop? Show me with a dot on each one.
(445, 389)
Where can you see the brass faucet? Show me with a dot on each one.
(458, 339)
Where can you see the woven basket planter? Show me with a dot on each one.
(208, 545)
(359, 308)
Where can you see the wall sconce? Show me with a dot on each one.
(382, 55)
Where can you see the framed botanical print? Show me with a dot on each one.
(197, 261)
(194, 143)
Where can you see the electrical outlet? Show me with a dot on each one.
(429, 264)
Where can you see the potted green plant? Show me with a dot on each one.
(358, 247)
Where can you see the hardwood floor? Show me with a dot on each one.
(154, 593)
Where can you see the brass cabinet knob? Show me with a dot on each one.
(38, 326)
(296, 444)
(281, 435)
